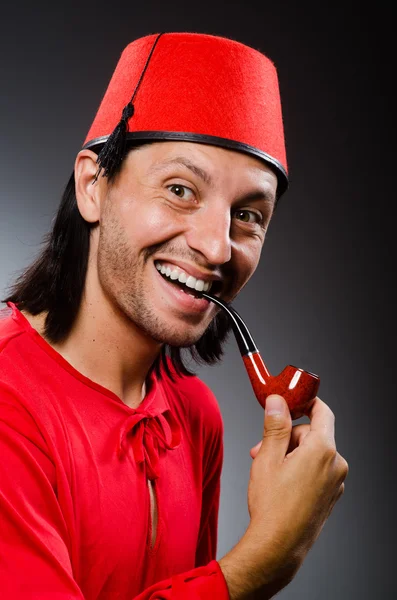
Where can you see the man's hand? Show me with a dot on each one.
(296, 478)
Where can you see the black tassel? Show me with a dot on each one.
(112, 152)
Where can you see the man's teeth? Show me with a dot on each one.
(188, 280)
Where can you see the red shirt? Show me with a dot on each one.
(75, 461)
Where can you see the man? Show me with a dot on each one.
(111, 450)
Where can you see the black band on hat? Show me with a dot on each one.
(182, 136)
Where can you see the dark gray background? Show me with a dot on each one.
(323, 295)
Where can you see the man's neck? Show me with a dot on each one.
(107, 348)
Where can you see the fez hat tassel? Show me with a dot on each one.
(113, 151)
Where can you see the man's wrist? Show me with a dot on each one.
(244, 578)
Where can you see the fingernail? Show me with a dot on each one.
(274, 405)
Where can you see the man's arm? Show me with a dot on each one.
(296, 478)
(34, 543)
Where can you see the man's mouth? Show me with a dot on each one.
(180, 278)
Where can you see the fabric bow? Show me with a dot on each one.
(147, 434)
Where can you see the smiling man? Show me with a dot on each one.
(111, 449)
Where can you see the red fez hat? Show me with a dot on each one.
(191, 87)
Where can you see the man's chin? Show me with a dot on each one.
(181, 339)
(166, 329)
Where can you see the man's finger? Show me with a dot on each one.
(298, 434)
(254, 451)
(322, 419)
(277, 429)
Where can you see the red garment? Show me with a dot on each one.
(74, 466)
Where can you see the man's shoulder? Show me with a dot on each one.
(16, 362)
(193, 399)
(9, 329)
(14, 412)
(191, 388)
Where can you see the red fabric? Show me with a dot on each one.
(197, 83)
(74, 498)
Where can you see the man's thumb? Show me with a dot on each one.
(277, 430)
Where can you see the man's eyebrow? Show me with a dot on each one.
(182, 161)
(259, 195)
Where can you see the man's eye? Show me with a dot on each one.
(248, 216)
(181, 191)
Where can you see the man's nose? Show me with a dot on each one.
(209, 234)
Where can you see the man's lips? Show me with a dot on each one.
(187, 300)
(191, 269)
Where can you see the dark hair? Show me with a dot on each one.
(55, 281)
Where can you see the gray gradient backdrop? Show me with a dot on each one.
(322, 297)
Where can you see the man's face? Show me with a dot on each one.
(195, 211)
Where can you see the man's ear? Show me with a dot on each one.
(89, 191)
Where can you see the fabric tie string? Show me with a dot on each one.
(147, 435)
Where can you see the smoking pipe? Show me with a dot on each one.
(298, 387)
